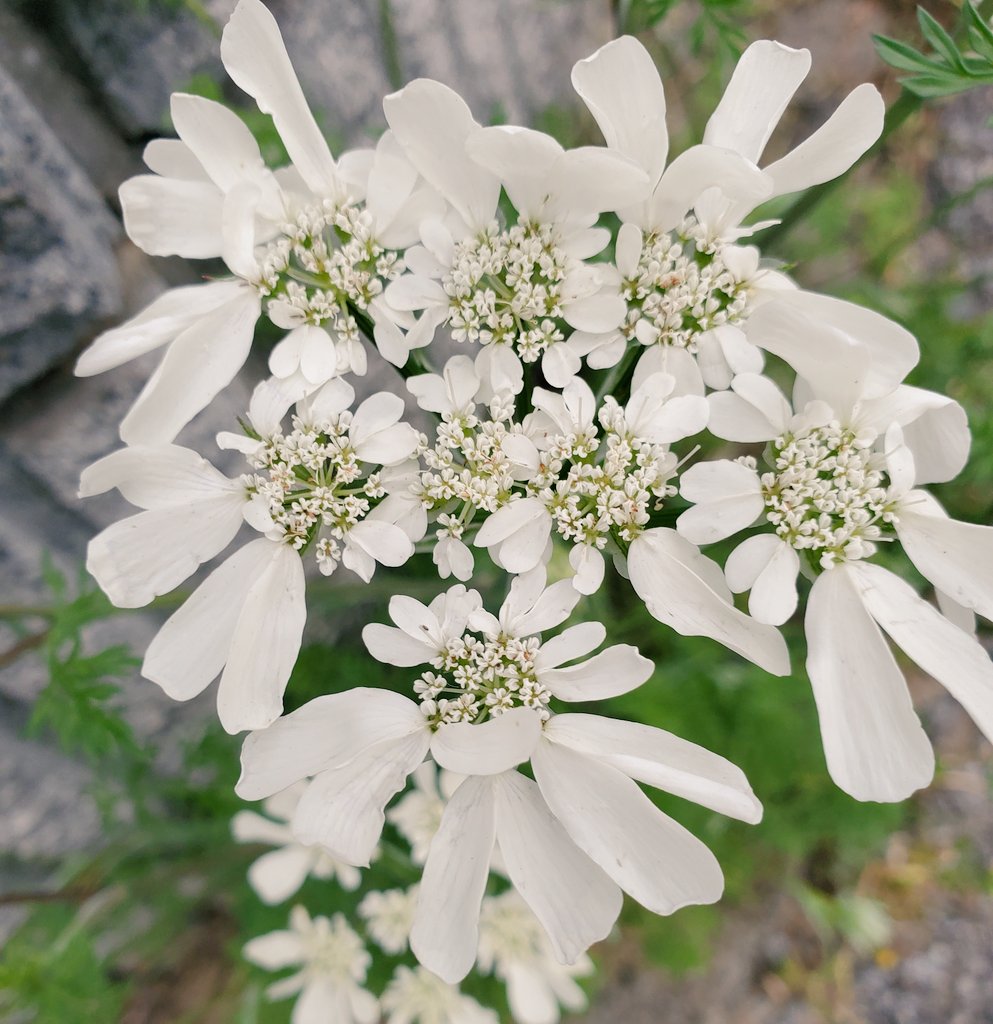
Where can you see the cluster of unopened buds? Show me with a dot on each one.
(585, 367)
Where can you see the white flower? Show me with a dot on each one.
(389, 917)
(687, 286)
(514, 946)
(505, 288)
(840, 481)
(419, 997)
(584, 827)
(339, 225)
(333, 964)
(277, 875)
(318, 484)
(593, 487)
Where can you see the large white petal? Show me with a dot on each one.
(172, 217)
(618, 669)
(264, 646)
(956, 557)
(836, 365)
(446, 922)
(763, 83)
(835, 146)
(660, 759)
(935, 429)
(325, 733)
(677, 584)
(343, 809)
(198, 365)
(523, 159)
(254, 56)
(873, 741)
(956, 659)
(894, 351)
(650, 856)
(623, 91)
(189, 651)
(525, 520)
(432, 123)
(159, 322)
(576, 903)
(219, 139)
(156, 476)
(139, 558)
(591, 179)
(492, 747)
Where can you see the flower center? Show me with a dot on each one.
(325, 260)
(313, 487)
(595, 487)
(334, 950)
(505, 288)
(467, 471)
(482, 677)
(680, 289)
(828, 493)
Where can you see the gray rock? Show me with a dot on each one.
(66, 105)
(44, 808)
(58, 274)
(137, 54)
(510, 60)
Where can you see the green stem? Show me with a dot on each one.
(617, 381)
(906, 104)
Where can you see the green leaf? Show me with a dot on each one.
(980, 32)
(939, 39)
(901, 55)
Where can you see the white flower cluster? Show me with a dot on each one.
(592, 365)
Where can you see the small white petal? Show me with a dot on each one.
(490, 748)
(619, 669)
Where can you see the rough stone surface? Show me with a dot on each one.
(509, 60)
(136, 55)
(65, 103)
(44, 809)
(58, 275)
(966, 160)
